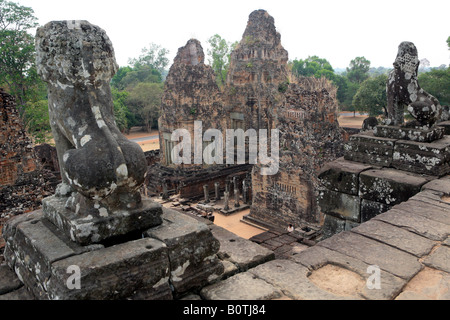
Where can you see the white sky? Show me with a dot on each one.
(337, 30)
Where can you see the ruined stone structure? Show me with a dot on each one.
(191, 101)
(260, 93)
(303, 110)
(22, 183)
(258, 68)
(122, 245)
(389, 164)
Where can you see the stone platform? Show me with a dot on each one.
(380, 169)
(158, 263)
(410, 244)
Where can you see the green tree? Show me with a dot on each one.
(437, 83)
(17, 53)
(153, 56)
(130, 77)
(144, 101)
(371, 95)
(358, 70)
(36, 121)
(313, 67)
(219, 57)
(121, 111)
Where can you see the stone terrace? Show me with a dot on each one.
(409, 243)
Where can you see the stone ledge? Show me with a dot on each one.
(413, 134)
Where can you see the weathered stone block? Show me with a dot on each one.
(244, 253)
(86, 229)
(369, 149)
(370, 209)
(339, 204)
(116, 272)
(8, 280)
(425, 158)
(192, 250)
(342, 175)
(446, 126)
(332, 226)
(389, 186)
(413, 134)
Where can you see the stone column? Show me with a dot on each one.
(206, 191)
(165, 193)
(226, 196)
(236, 192)
(244, 192)
(217, 190)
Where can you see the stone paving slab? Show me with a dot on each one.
(242, 286)
(416, 223)
(259, 238)
(292, 279)
(439, 259)
(396, 237)
(441, 185)
(427, 210)
(428, 284)
(317, 257)
(243, 253)
(372, 252)
(431, 197)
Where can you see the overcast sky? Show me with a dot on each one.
(337, 30)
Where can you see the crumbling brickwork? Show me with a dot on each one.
(22, 183)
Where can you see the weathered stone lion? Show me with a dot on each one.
(404, 92)
(77, 61)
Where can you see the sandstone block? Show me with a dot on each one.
(92, 228)
(389, 186)
(116, 272)
(370, 209)
(413, 134)
(342, 175)
(425, 158)
(332, 226)
(191, 248)
(339, 204)
(369, 149)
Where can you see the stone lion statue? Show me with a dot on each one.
(99, 166)
(404, 92)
